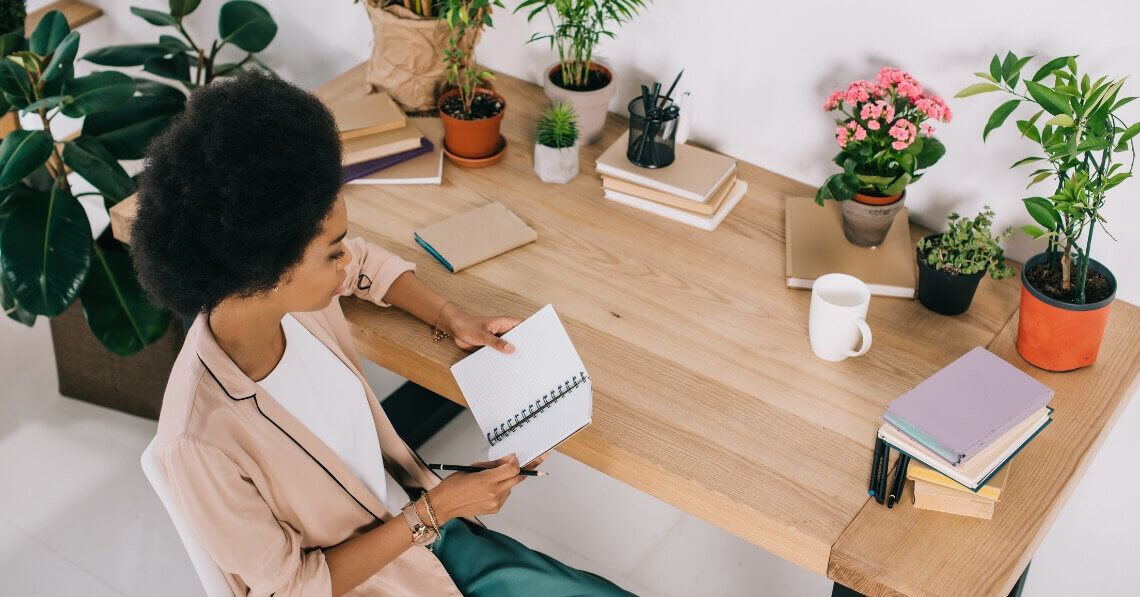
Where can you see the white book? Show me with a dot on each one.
(703, 222)
(533, 399)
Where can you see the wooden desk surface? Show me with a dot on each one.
(707, 395)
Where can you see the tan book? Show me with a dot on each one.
(814, 245)
(379, 145)
(928, 496)
(992, 490)
(367, 115)
(707, 208)
(474, 236)
(709, 222)
(425, 169)
(695, 173)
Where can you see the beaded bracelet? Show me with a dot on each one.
(436, 333)
(431, 513)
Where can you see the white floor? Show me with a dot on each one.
(77, 517)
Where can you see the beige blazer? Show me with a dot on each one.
(266, 496)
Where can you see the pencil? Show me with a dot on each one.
(475, 469)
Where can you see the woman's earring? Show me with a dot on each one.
(274, 289)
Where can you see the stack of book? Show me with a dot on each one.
(965, 423)
(375, 134)
(699, 188)
(935, 491)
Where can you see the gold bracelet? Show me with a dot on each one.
(431, 513)
(436, 333)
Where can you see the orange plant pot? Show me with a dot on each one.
(872, 200)
(1060, 336)
(471, 138)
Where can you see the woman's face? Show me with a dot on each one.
(312, 285)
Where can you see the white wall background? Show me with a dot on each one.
(760, 72)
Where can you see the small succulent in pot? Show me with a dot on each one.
(967, 247)
(556, 144)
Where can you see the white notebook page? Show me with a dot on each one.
(500, 387)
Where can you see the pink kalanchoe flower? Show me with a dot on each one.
(841, 134)
(874, 125)
(860, 133)
(903, 132)
(900, 145)
(907, 86)
(859, 91)
(833, 101)
(927, 130)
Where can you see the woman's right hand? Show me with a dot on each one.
(475, 494)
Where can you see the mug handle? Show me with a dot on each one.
(866, 331)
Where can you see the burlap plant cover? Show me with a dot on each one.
(407, 55)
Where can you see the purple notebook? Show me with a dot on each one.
(354, 171)
(967, 405)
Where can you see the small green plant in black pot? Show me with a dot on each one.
(951, 264)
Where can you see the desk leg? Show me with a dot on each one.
(838, 590)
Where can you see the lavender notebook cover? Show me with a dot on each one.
(354, 171)
(968, 404)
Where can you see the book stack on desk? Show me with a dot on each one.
(375, 134)
(699, 188)
(965, 423)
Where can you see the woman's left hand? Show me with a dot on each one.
(472, 331)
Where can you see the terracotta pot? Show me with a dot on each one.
(944, 292)
(590, 106)
(1059, 336)
(876, 200)
(865, 224)
(471, 138)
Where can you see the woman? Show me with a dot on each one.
(274, 446)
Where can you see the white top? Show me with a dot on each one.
(324, 395)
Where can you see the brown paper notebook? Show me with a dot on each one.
(707, 208)
(695, 174)
(367, 115)
(814, 245)
(474, 236)
(379, 145)
(928, 496)
(425, 169)
(992, 490)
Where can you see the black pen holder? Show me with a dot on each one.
(652, 138)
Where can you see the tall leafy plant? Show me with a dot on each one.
(466, 19)
(48, 255)
(1079, 137)
(579, 26)
(423, 8)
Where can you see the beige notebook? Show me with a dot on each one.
(425, 169)
(814, 245)
(707, 208)
(380, 145)
(695, 174)
(475, 236)
(928, 496)
(992, 490)
(367, 115)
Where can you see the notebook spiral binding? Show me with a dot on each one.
(532, 410)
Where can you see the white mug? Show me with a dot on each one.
(838, 315)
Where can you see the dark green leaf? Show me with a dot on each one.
(21, 153)
(906, 162)
(932, 151)
(995, 68)
(1129, 133)
(1053, 102)
(1027, 160)
(126, 55)
(174, 44)
(13, 309)
(49, 33)
(1015, 69)
(843, 186)
(898, 185)
(1042, 211)
(14, 79)
(1007, 65)
(181, 8)
(97, 92)
(1049, 67)
(45, 251)
(175, 66)
(126, 130)
(87, 157)
(998, 117)
(62, 58)
(247, 25)
(152, 87)
(155, 17)
(47, 103)
(11, 42)
(16, 101)
(116, 307)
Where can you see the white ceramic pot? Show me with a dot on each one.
(554, 164)
(590, 106)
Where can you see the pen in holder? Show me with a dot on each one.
(652, 131)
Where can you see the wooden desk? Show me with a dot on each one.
(707, 395)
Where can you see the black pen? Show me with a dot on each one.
(900, 479)
(875, 466)
(884, 470)
(475, 469)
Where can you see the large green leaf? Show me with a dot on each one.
(49, 33)
(21, 153)
(87, 156)
(174, 44)
(116, 307)
(14, 79)
(246, 25)
(932, 151)
(181, 8)
(11, 42)
(97, 92)
(1049, 67)
(126, 130)
(45, 251)
(155, 17)
(63, 57)
(13, 309)
(1041, 209)
(176, 66)
(152, 87)
(1053, 102)
(998, 117)
(126, 55)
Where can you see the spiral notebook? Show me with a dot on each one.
(533, 399)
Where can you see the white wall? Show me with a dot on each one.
(760, 72)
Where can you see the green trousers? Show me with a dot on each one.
(483, 563)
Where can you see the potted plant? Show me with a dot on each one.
(13, 13)
(49, 258)
(407, 51)
(556, 144)
(471, 113)
(577, 79)
(885, 145)
(1065, 294)
(951, 264)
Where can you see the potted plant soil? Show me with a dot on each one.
(885, 145)
(951, 264)
(577, 78)
(556, 144)
(407, 58)
(471, 114)
(1066, 294)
